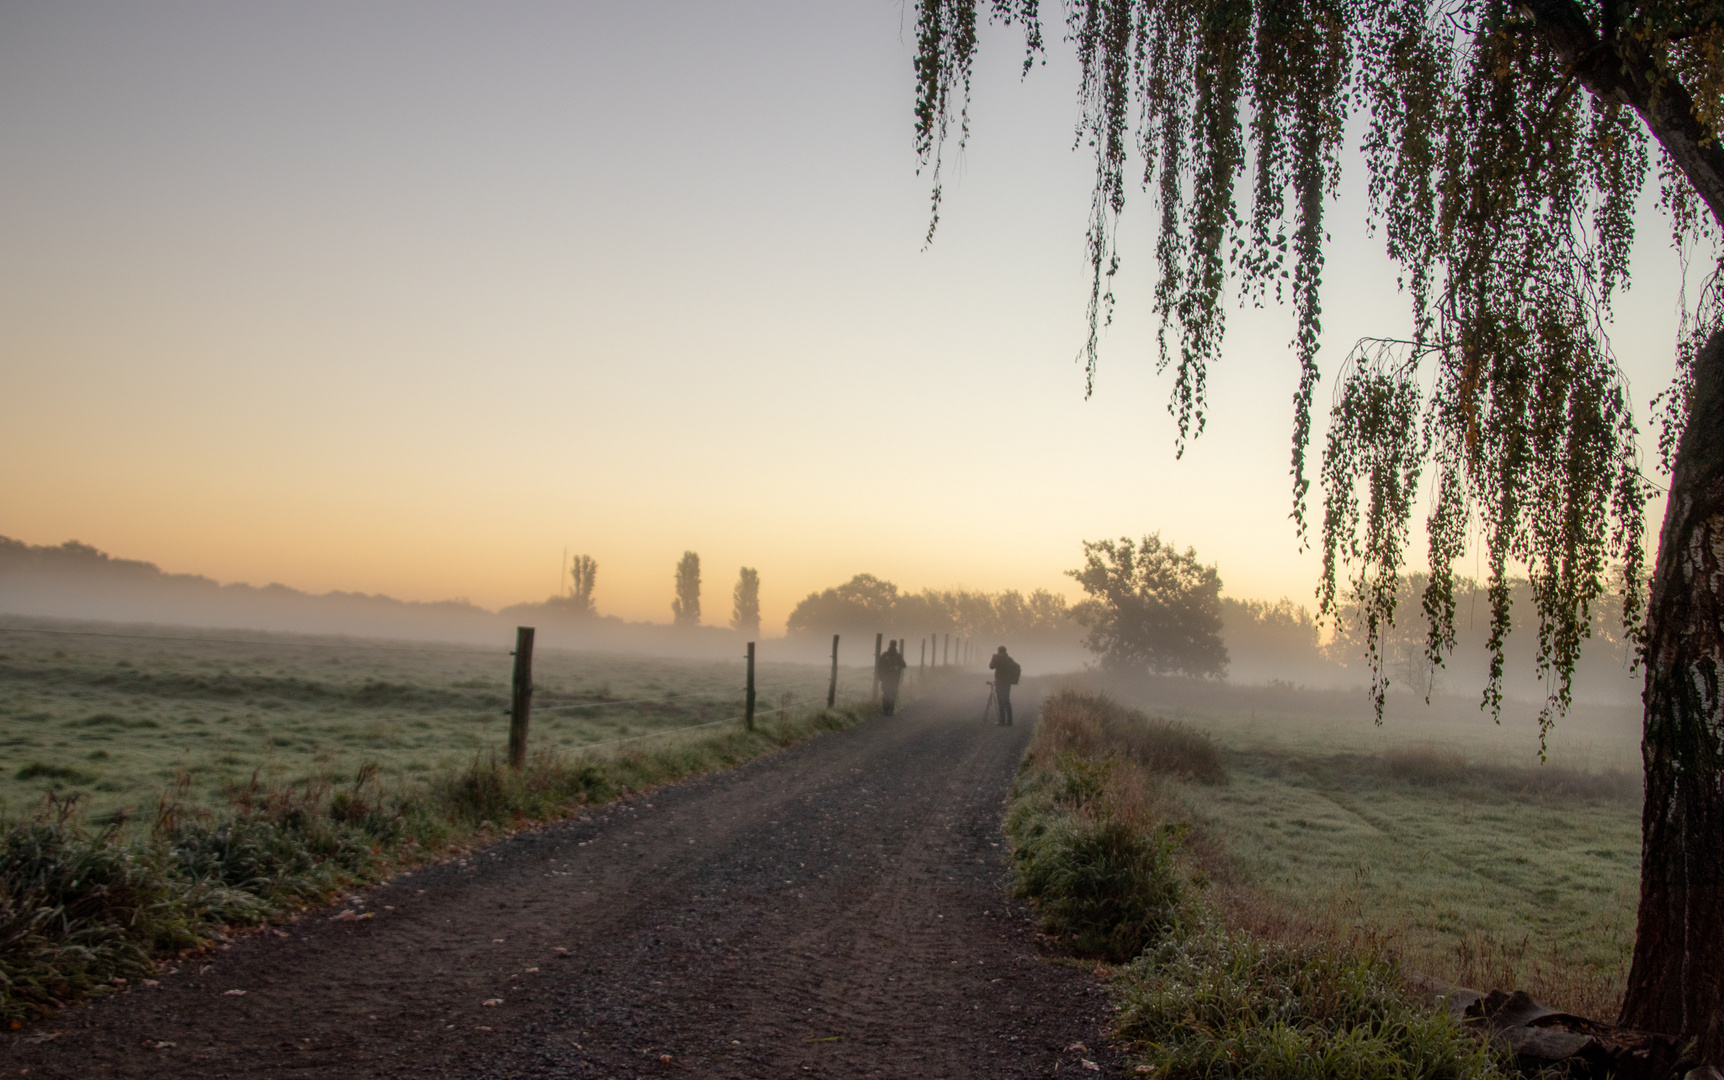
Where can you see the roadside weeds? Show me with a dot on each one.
(85, 910)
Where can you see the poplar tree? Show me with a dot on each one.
(745, 600)
(1506, 145)
(584, 570)
(686, 607)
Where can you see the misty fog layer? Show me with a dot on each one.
(1267, 643)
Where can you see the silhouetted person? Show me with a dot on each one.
(1006, 673)
(889, 669)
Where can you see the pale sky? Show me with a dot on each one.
(411, 298)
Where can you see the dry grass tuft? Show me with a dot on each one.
(1095, 726)
(1483, 961)
(1430, 767)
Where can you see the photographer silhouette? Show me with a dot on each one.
(1006, 675)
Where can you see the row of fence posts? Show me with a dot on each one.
(521, 685)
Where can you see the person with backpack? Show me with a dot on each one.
(889, 669)
(1006, 674)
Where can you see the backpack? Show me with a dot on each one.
(1010, 671)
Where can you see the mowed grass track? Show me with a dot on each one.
(116, 715)
(1477, 885)
(1437, 831)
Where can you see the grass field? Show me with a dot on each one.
(119, 714)
(1439, 832)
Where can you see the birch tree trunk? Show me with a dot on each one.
(1676, 984)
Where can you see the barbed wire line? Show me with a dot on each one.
(484, 714)
(677, 730)
(725, 696)
(632, 701)
(471, 714)
(648, 735)
(251, 641)
(672, 731)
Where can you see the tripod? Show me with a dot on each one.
(993, 704)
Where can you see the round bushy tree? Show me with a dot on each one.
(1151, 607)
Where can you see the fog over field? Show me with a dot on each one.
(1276, 645)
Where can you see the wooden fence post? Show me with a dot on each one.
(521, 698)
(923, 661)
(877, 639)
(947, 662)
(832, 687)
(748, 701)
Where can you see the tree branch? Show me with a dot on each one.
(1621, 71)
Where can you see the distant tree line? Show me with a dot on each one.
(1150, 607)
(1606, 651)
(867, 604)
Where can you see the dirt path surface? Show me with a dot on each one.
(835, 910)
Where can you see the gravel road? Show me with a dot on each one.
(835, 910)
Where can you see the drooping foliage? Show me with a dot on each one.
(1506, 145)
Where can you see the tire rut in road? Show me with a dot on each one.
(834, 910)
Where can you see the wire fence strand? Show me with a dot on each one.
(250, 641)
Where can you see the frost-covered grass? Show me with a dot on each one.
(1484, 876)
(116, 720)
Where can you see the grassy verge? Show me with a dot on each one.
(1102, 846)
(84, 909)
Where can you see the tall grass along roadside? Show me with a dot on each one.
(1093, 844)
(1100, 846)
(85, 909)
(1212, 1002)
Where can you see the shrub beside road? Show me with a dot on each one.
(1102, 845)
